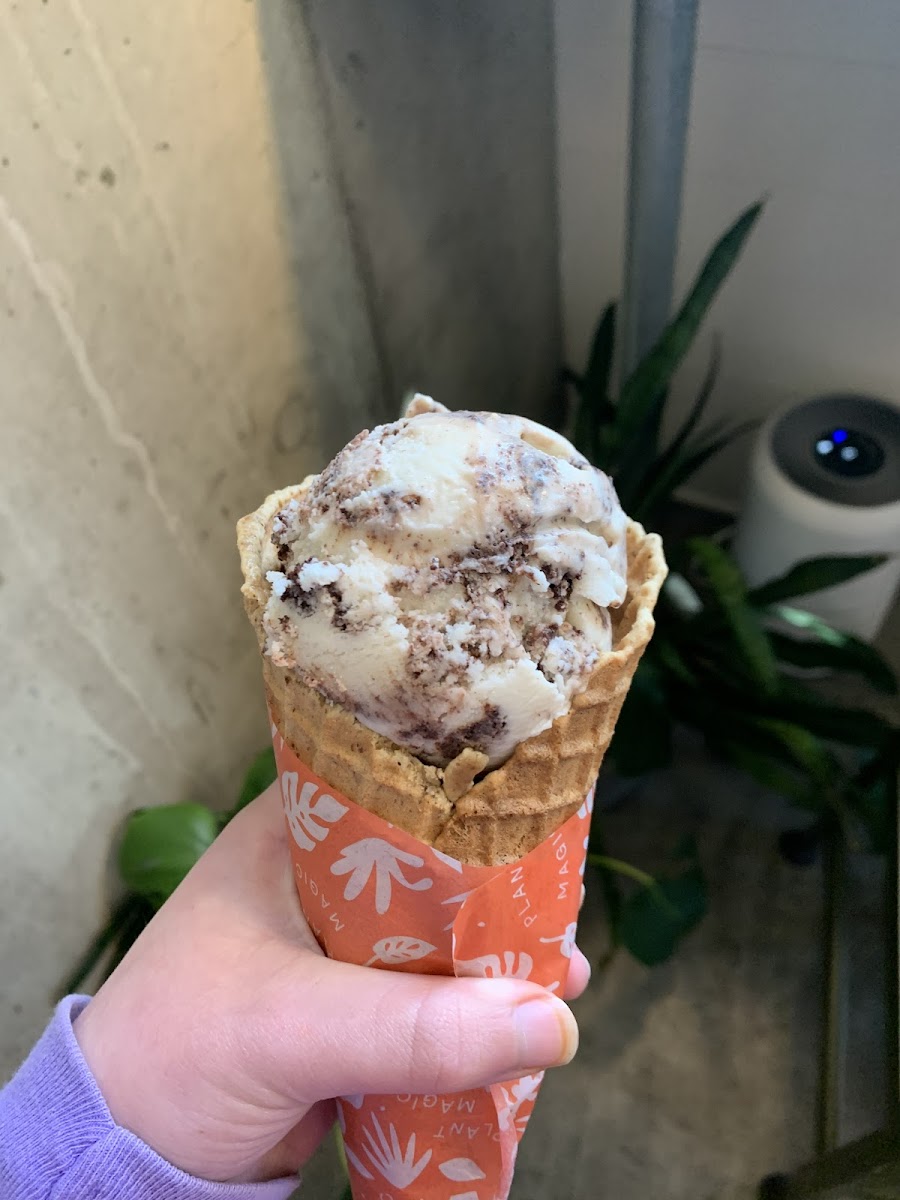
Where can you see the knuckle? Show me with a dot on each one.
(441, 1041)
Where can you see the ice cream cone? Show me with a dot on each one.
(498, 892)
(505, 813)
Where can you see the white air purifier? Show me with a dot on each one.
(825, 480)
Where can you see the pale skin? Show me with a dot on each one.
(225, 1032)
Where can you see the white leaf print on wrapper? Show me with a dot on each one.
(360, 859)
(489, 966)
(392, 950)
(465, 1196)
(461, 1170)
(453, 863)
(567, 941)
(354, 1161)
(309, 822)
(460, 899)
(342, 1122)
(399, 1167)
(519, 1093)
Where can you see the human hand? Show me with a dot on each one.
(224, 1033)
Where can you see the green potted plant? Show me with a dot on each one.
(157, 849)
(724, 659)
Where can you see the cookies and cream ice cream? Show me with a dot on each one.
(448, 579)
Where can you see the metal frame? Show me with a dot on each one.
(872, 1162)
(662, 69)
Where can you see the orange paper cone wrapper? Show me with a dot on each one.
(376, 896)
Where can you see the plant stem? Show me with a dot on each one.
(611, 892)
(622, 868)
(347, 1193)
(138, 915)
(98, 947)
(642, 877)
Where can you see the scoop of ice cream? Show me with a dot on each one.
(448, 579)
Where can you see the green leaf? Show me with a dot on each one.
(261, 773)
(834, 651)
(595, 409)
(347, 1194)
(813, 575)
(642, 740)
(599, 365)
(654, 919)
(834, 722)
(698, 408)
(724, 718)
(640, 396)
(772, 774)
(803, 747)
(821, 766)
(727, 713)
(612, 892)
(672, 659)
(139, 916)
(162, 844)
(646, 482)
(874, 797)
(679, 469)
(730, 597)
(619, 867)
(98, 947)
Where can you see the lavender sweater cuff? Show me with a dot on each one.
(58, 1140)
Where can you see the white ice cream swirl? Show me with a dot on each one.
(448, 579)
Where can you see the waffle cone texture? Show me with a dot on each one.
(508, 811)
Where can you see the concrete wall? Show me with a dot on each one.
(441, 125)
(799, 100)
(175, 341)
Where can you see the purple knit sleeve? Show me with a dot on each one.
(58, 1140)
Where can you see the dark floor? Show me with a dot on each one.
(697, 1078)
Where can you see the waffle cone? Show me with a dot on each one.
(507, 812)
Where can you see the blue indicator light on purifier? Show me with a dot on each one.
(849, 453)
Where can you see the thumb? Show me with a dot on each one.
(363, 1030)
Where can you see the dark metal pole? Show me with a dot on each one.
(662, 67)
(835, 992)
(892, 967)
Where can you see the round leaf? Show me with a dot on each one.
(654, 919)
(162, 844)
(261, 772)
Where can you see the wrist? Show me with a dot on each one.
(126, 1079)
(59, 1137)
